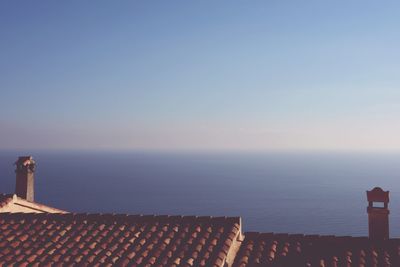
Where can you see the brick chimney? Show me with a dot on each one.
(378, 214)
(24, 184)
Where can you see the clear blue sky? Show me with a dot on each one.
(200, 75)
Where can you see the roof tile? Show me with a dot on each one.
(268, 249)
(109, 239)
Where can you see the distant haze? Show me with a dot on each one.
(208, 75)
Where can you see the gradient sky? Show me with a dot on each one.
(245, 75)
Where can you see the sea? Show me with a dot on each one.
(283, 192)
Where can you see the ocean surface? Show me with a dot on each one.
(313, 193)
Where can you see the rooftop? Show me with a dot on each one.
(108, 239)
(269, 249)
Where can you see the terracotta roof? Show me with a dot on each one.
(268, 249)
(106, 239)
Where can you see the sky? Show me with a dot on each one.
(200, 75)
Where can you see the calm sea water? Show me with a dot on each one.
(282, 192)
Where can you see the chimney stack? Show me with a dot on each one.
(378, 214)
(24, 184)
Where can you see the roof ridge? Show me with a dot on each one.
(308, 236)
(126, 216)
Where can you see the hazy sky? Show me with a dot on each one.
(200, 75)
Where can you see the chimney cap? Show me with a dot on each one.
(25, 160)
(25, 163)
(378, 195)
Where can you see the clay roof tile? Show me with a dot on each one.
(109, 239)
(267, 249)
